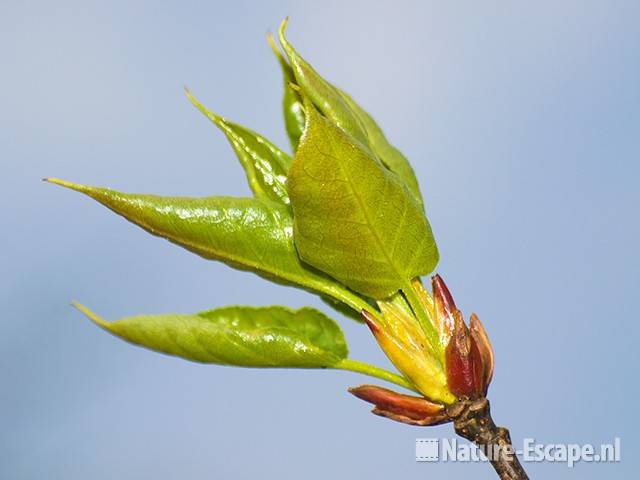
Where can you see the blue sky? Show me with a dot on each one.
(522, 122)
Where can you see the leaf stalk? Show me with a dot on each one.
(373, 371)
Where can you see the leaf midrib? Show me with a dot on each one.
(362, 204)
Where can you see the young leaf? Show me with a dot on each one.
(245, 233)
(240, 336)
(348, 115)
(325, 96)
(353, 219)
(265, 164)
(292, 108)
(393, 159)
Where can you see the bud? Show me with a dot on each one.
(401, 408)
(468, 353)
(481, 340)
(463, 361)
(405, 344)
(458, 365)
(444, 307)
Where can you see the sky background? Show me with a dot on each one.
(522, 122)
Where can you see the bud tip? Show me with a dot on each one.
(442, 293)
(370, 320)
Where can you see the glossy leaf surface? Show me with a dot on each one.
(240, 336)
(245, 233)
(265, 164)
(353, 218)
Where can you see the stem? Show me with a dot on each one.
(473, 421)
(351, 300)
(373, 371)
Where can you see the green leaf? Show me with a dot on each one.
(348, 115)
(245, 233)
(393, 159)
(292, 107)
(240, 336)
(266, 166)
(353, 219)
(325, 96)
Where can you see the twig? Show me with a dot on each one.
(472, 420)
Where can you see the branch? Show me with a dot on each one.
(472, 420)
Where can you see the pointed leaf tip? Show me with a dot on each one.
(70, 185)
(283, 40)
(90, 315)
(210, 115)
(265, 164)
(57, 181)
(272, 44)
(294, 118)
(283, 25)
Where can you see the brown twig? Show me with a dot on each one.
(472, 420)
